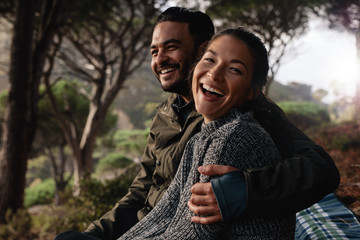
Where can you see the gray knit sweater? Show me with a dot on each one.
(236, 140)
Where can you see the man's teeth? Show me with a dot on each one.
(167, 70)
(212, 90)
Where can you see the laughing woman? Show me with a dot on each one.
(226, 85)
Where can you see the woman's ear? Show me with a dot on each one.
(254, 93)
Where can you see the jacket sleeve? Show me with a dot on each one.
(302, 179)
(107, 227)
(306, 174)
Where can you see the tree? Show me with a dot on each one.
(20, 116)
(35, 23)
(50, 138)
(276, 22)
(111, 42)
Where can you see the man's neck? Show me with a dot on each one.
(187, 97)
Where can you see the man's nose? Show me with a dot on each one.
(161, 57)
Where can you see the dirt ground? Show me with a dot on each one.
(348, 191)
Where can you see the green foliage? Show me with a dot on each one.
(97, 198)
(70, 103)
(18, 225)
(73, 106)
(104, 194)
(305, 114)
(132, 141)
(38, 168)
(42, 193)
(112, 161)
(3, 98)
(109, 122)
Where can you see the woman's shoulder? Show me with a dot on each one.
(242, 125)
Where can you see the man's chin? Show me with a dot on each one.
(169, 88)
(177, 87)
(168, 85)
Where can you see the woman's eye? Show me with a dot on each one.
(209, 60)
(236, 70)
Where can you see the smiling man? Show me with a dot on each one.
(306, 174)
(172, 56)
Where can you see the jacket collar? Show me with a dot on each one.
(167, 108)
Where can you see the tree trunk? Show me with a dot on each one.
(84, 163)
(19, 124)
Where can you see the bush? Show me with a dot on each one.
(97, 198)
(18, 226)
(42, 193)
(342, 136)
(132, 141)
(305, 114)
(112, 161)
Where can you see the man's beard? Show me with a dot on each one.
(181, 87)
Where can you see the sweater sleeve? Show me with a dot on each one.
(243, 146)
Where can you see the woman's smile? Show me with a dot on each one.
(222, 78)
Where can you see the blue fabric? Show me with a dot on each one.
(327, 219)
(231, 194)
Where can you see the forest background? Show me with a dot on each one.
(78, 95)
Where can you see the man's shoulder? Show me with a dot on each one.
(167, 103)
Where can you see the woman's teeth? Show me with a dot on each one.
(212, 90)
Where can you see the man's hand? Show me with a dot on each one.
(203, 201)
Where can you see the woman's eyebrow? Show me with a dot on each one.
(212, 52)
(240, 62)
(232, 61)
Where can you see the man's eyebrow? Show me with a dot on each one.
(172, 40)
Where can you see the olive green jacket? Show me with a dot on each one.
(299, 181)
(165, 145)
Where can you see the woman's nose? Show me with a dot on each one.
(215, 74)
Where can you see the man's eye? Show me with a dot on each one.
(172, 47)
(154, 52)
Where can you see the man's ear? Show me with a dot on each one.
(201, 49)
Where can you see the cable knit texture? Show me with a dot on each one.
(236, 140)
